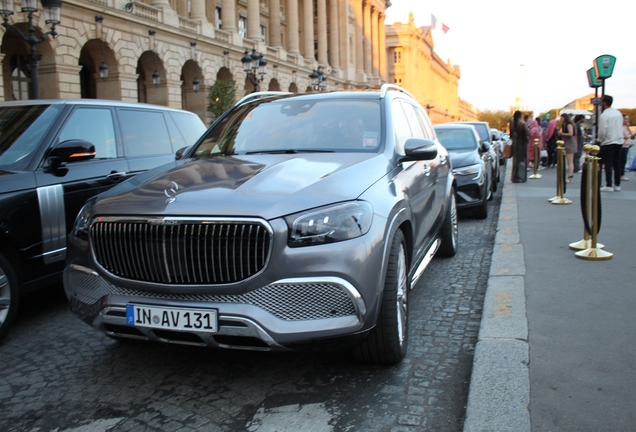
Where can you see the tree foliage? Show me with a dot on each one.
(221, 97)
(496, 119)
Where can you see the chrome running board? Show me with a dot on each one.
(425, 262)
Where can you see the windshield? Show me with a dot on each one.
(482, 130)
(22, 128)
(291, 125)
(456, 139)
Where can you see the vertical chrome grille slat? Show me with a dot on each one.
(184, 252)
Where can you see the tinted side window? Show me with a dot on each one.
(190, 126)
(429, 132)
(94, 125)
(414, 121)
(401, 127)
(145, 133)
(175, 136)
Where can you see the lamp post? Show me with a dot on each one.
(52, 11)
(318, 80)
(103, 68)
(156, 77)
(254, 64)
(195, 81)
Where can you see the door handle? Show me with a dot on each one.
(427, 170)
(116, 175)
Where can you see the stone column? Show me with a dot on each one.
(308, 29)
(375, 42)
(274, 23)
(160, 3)
(253, 20)
(197, 10)
(293, 45)
(334, 40)
(359, 39)
(228, 15)
(367, 39)
(322, 32)
(383, 71)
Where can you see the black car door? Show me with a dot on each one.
(63, 190)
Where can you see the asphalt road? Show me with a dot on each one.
(59, 374)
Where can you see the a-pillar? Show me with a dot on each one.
(334, 40)
(383, 70)
(274, 23)
(293, 44)
(308, 30)
(322, 32)
(368, 53)
(253, 20)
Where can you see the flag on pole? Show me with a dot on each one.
(433, 22)
(445, 28)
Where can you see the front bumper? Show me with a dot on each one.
(470, 193)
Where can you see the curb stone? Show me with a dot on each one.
(499, 393)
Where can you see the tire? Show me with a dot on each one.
(450, 230)
(387, 342)
(9, 296)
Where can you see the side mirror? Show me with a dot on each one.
(419, 149)
(74, 150)
(484, 146)
(179, 154)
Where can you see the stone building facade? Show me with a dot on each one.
(414, 65)
(343, 37)
(184, 40)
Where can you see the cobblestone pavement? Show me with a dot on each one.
(59, 374)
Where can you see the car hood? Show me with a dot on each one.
(266, 186)
(461, 158)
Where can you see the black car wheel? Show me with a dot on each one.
(450, 230)
(8, 296)
(387, 342)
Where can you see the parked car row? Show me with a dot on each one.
(294, 221)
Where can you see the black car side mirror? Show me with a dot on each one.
(74, 150)
(179, 154)
(419, 149)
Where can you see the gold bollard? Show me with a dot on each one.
(594, 252)
(586, 242)
(536, 174)
(559, 198)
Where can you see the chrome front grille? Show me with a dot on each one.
(184, 251)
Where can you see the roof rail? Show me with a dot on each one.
(259, 95)
(387, 87)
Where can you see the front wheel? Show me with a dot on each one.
(387, 342)
(450, 230)
(9, 295)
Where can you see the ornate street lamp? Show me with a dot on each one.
(195, 81)
(254, 64)
(103, 68)
(52, 11)
(318, 80)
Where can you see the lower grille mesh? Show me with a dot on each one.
(289, 302)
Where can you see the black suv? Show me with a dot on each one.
(54, 155)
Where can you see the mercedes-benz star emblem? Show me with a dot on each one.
(171, 192)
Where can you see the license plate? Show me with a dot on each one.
(200, 320)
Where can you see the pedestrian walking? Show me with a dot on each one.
(550, 138)
(611, 139)
(627, 136)
(520, 136)
(580, 136)
(568, 134)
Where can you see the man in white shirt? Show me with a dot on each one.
(610, 137)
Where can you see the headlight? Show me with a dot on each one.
(83, 220)
(470, 170)
(329, 224)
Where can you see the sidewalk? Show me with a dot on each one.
(556, 345)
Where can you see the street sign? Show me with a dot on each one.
(604, 66)
(595, 101)
(592, 79)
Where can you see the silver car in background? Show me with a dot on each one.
(296, 220)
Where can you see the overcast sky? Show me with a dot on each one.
(555, 41)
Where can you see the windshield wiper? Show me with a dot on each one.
(289, 151)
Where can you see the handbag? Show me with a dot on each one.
(507, 151)
(544, 153)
